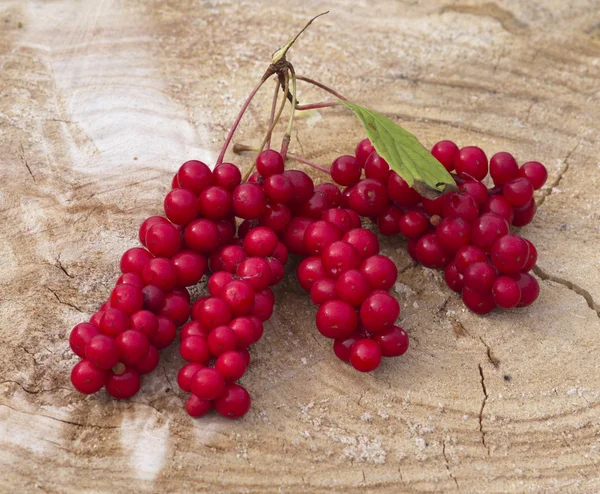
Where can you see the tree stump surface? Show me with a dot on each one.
(100, 102)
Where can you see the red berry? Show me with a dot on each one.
(434, 206)
(248, 201)
(185, 375)
(379, 311)
(413, 224)
(530, 289)
(196, 407)
(193, 328)
(163, 240)
(363, 150)
(123, 386)
(232, 365)
(503, 168)
(302, 186)
(365, 355)
(467, 255)
(532, 258)
(430, 252)
(342, 346)
(102, 351)
(195, 349)
(113, 322)
(176, 308)
(535, 172)
(369, 197)
(211, 312)
(336, 319)
(506, 292)
(338, 218)
(476, 190)
(518, 192)
(148, 222)
(189, 267)
(345, 170)
(208, 384)
(480, 303)
(278, 188)
(353, 287)
(215, 203)
(380, 271)
(127, 298)
(364, 241)
(460, 206)
(133, 347)
(260, 242)
(87, 378)
(354, 218)
(510, 254)
(81, 336)
(234, 402)
(131, 279)
(471, 162)
(264, 303)
(319, 236)
(221, 339)
(323, 290)
(246, 331)
(453, 278)
(165, 334)
(256, 271)
(309, 271)
(388, 222)
(479, 276)
(340, 257)
(181, 206)
(134, 260)
(453, 233)
(154, 298)
(227, 175)
(524, 214)
(240, 297)
(277, 270)
(393, 342)
(276, 216)
(400, 192)
(332, 192)
(445, 152)
(498, 206)
(160, 272)
(487, 229)
(201, 235)
(293, 238)
(269, 163)
(149, 362)
(315, 206)
(195, 176)
(377, 168)
(231, 257)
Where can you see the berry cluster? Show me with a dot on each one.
(467, 233)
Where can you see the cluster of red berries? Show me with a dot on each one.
(467, 233)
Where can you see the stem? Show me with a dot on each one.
(309, 163)
(322, 86)
(268, 73)
(273, 108)
(314, 106)
(239, 148)
(288, 134)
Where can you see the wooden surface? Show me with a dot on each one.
(100, 102)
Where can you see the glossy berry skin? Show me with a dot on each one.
(221, 339)
(531, 258)
(506, 292)
(364, 241)
(413, 224)
(165, 334)
(453, 233)
(193, 328)
(227, 175)
(369, 197)
(338, 258)
(363, 151)
(524, 214)
(535, 172)
(487, 229)
(231, 257)
(353, 287)
(503, 168)
(189, 267)
(240, 297)
(278, 188)
(380, 271)
(215, 203)
(434, 206)
(345, 170)
(276, 216)
(194, 176)
(80, 336)
(154, 298)
(260, 242)
(318, 203)
(113, 322)
(232, 365)
(342, 346)
(149, 362)
(309, 271)
(132, 346)
(234, 402)
(194, 349)
(134, 260)
(148, 222)
(123, 386)
(269, 163)
(336, 319)
(453, 278)
(400, 192)
(479, 276)
(302, 186)
(388, 222)
(379, 311)
(131, 279)
(195, 407)
(518, 192)
(323, 290)
(211, 312)
(460, 206)
(160, 272)
(246, 331)
(293, 237)
(185, 375)
(102, 351)
(181, 206)
(127, 298)
(471, 162)
(365, 355)
(499, 206)
(393, 342)
(445, 152)
(476, 190)
(377, 168)
(248, 201)
(530, 289)
(255, 271)
(468, 255)
(332, 191)
(201, 235)
(87, 378)
(163, 240)
(430, 252)
(207, 384)
(510, 254)
(319, 236)
(480, 303)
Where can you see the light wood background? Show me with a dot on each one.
(101, 101)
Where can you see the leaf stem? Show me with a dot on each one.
(309, 163)
(322, 86)
(288, 134)
(273, 108)
(314, 106)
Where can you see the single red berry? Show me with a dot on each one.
(342, 346)
(377, 168)
(248, 201)
(468, 255)
(388, 222)
(524, 214)
(201, 235)
(276, 217)
(193, 328)
(125, 385)
(185, 375)
(445, 152)
(227, 175)
(269, 163)
(163, 240)
(340, 257)
(480, 303)
(355, 221)
(338, 218)
(176, 308)
(195, 349)
(353, 287)
(476, 190)
(246, 331)
(363, 151)
(211, 312)
(149, 362)
(134, 260)
(234, 402)
(221, 339)
(530, 289)
(113, 322)
(87, 378)
(487, 229)
(453, 278)
(369, 197)
(323, 290)
(160, 272)
(479, 276)
(102, 351)
(256, 271)
(302, 186)
(510, 254)
(532, 258)
(345, 170)
(365, 355)
(281, 253)
(127, 298)
(81, 336)
(393, 342)
(145, 322)
(215, 203)
(332, 192)
(148, 222)
(430, 252)
(535, 172)
(460, 206)
(503, 168)
(379, 311)
(165, 334)
(506, 292)
(196, 407)
(264, 303)
(154, 298)
(260, 242)
(232, 365)
(434, 206)
(471, 162)
(413, 224)
(309, 271)
(380, 271)
(132, 347)
(226, 230)
(453, 233)
(277, 270)
(319, 236)
(189, 267)
(231, 257)
(364, 241)
(518, 192)
(293, 237)
(400, 192)
(498, 206)
(208, 384)
(278, 188)
(240, 296)
(336, 319)
(316, 205)
(131, 279)
(181, 206)
(195, 176)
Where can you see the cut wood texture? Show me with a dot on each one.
(101, 101)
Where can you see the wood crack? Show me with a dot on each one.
(495, 361)
(483, 403)
(62, 268)
(24, 160)
(448, 465)
(569, 285)
(561, 174)
(73, 306)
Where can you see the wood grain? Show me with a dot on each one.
(100, 102)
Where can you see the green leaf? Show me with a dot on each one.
(404, 153)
